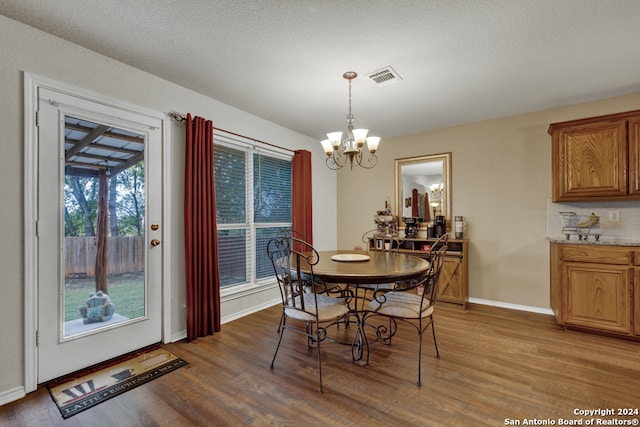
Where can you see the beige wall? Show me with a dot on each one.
(501, 171)
(24, 49)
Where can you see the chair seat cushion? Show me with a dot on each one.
(329, 308)
(401, 304)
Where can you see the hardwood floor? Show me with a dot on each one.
(497, 367)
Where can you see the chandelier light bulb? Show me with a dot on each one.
(326, 146)
(335, 138)
(372, 143)
(360, 136)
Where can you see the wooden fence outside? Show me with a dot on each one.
(124, 255)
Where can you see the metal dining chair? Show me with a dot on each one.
(408, 305)
(329, 288)
(303, 299)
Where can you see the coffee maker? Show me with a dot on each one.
(411, 226)
(441, 226)
(386, 224)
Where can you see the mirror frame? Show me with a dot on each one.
(446, 180)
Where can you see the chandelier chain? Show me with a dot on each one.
(350, 115)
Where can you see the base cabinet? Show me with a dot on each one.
(454, 282)
(597, 296)
(452, 286)
(596, 288)
(636, 294)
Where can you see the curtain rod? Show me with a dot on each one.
(180, 118)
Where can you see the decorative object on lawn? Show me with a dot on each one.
(99, 308)
(83, 390)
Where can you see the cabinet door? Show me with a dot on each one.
(634, 157)
(597, 296)
(450, 283)
(636, 300)
(636, 293)
(590, 161)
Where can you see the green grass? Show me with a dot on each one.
(125, 290)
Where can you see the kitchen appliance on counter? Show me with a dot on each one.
(459, 227)
(440, 225)
(386, 224)
(411, 226)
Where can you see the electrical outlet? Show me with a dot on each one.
(614, 216)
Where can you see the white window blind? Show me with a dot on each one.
(253, 203)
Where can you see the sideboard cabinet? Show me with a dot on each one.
(597, 158)
(596, 287)
(454, 282)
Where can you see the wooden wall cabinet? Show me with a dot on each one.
(454, 282)
(636, 292)
(596, 158)
(634, 157)
(596, 287)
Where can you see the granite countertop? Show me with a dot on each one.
(603, 241)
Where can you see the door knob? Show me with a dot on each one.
(155, 242)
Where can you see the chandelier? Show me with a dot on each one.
(348, 148)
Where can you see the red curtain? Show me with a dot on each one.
(415, 208)
(302, 218)
(201, 243)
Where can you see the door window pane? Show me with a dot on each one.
(104, 255)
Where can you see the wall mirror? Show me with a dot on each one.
(423, 187)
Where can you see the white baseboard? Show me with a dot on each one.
(12, 395)
(178, 336)
(183, 334)
(511, 306)
(250, 310)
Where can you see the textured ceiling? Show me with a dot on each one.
(460, 60)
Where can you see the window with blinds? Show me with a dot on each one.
(253, 203)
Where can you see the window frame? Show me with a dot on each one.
(249, 226)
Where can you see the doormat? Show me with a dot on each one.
(79, 392)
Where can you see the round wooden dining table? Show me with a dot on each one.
(380, 267)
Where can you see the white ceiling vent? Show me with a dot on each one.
(385, 76)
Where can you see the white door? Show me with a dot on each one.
(85, 148)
